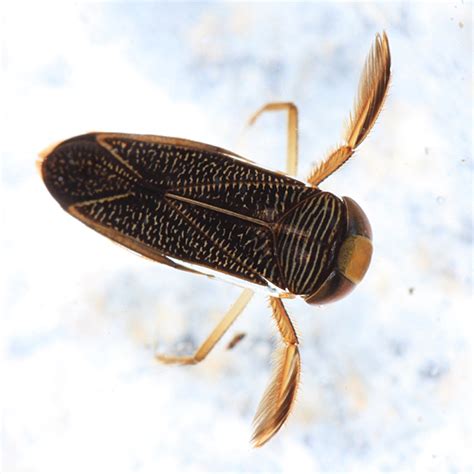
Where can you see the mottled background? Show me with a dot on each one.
(387, 379)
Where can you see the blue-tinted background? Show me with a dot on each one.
(386, 381)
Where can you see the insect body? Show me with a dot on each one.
(203, 209)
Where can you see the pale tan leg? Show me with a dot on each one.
(280, 395)
(215, 335)
(373, 86)
(292, 144)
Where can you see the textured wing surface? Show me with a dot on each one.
(214, 177)
(149, 192)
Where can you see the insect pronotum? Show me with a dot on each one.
(200, 208)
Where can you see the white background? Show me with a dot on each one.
(387, 372)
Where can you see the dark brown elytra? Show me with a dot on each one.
(199, 208)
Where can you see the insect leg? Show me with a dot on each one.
(373, 86)
(280, 395)
(215, 335)
(292, 144)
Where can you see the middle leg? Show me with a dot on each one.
(292, 131)
(215, 335)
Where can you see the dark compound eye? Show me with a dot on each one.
(334, 288)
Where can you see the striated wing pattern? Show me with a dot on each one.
(307, 240)
(215, 177)
(187, 201)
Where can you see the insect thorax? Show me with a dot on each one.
(308, 239)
